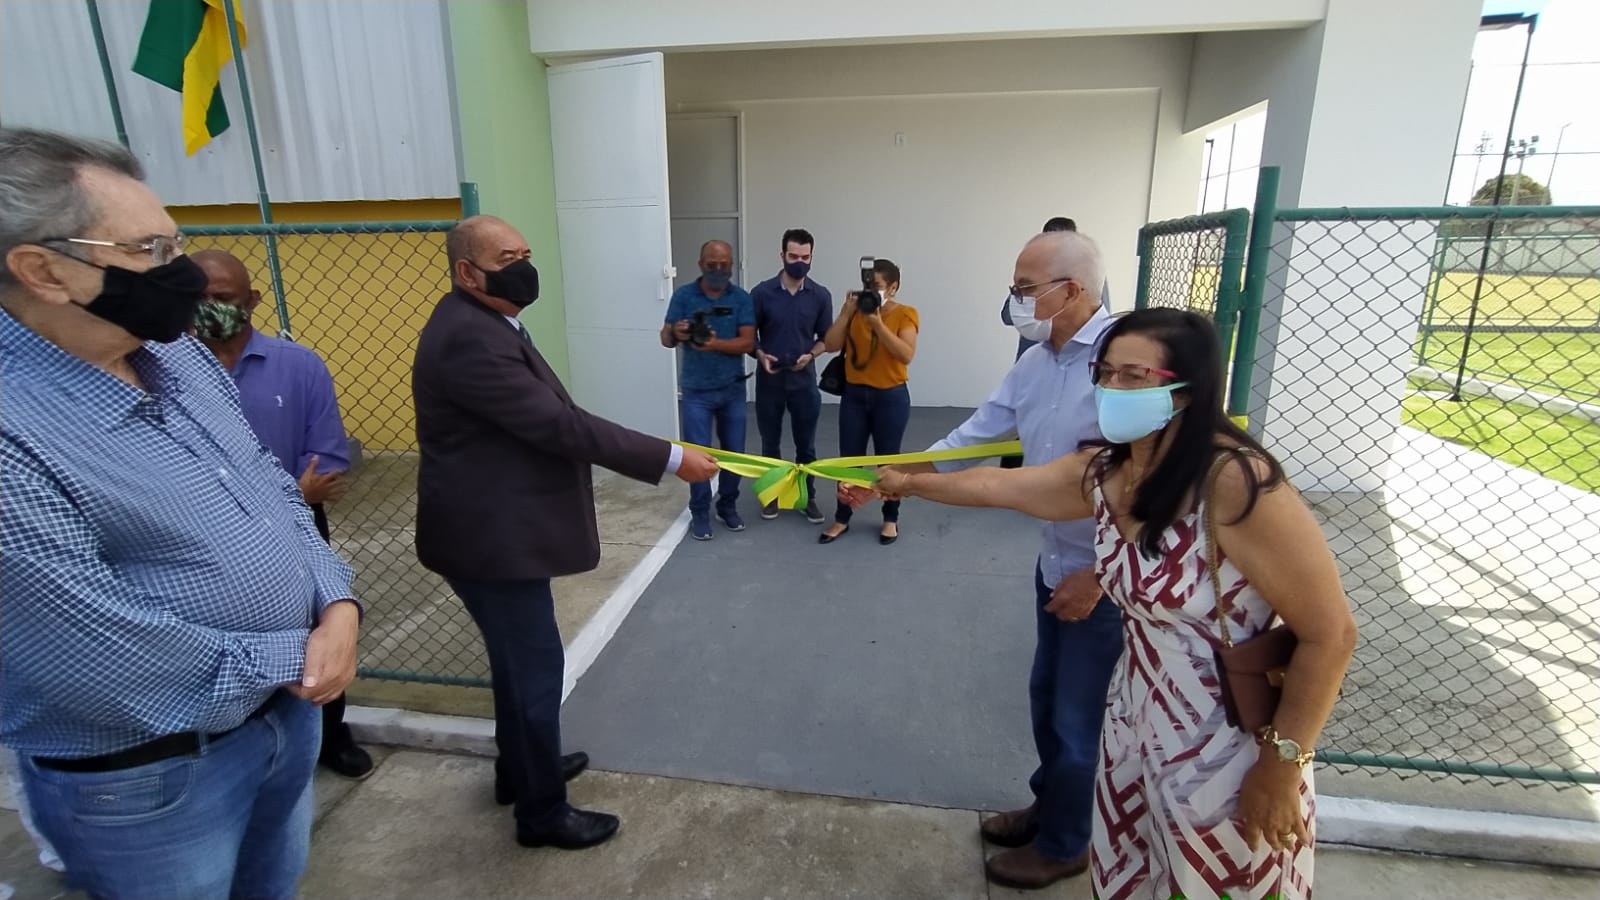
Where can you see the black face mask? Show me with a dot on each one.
(517, 284)
(154, 305)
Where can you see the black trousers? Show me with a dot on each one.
(335, 733)
(527, 664)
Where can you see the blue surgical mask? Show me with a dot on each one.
(796, 270)
(716, 279)
(1126, 416)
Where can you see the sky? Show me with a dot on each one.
(1560, 104)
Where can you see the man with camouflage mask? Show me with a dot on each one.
(287, 395)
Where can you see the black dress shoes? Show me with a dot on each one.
(350, 761)
(574, 829)
(572, 765)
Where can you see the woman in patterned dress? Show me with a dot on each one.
(1187, 805)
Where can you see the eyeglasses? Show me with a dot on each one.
(162, 248)
(1016, 291)
(1139, 376)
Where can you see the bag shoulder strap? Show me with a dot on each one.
(1213, 556)
(850, 347)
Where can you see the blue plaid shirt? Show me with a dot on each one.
(159, 571)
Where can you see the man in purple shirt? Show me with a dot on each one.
(287, 395)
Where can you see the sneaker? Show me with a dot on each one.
(700, 526)
(730, 518)
(813, 514)
(770, 511)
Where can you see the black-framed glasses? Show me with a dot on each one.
(1017, 291)
(163, 248)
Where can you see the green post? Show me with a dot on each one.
(469, 200)
(1255, 287)
(1236, 240)
(1141, 296)
(262, 200)
(106, 71)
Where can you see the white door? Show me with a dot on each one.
(608, 131)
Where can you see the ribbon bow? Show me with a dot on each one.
(784, 482)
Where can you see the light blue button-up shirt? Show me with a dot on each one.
(1047, 401)
(159, 571)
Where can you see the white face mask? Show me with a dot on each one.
(1036, 330)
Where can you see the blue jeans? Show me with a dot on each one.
(233, 820)
(526, 665)
(701, 412)
(1072, 667)
(878, 413)
(802, 400)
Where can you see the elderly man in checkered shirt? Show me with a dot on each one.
(169, 615)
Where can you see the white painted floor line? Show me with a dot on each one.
(603, 625)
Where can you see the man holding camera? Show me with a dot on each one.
(716, 320)
(793, 314)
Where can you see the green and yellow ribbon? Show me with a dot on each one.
(784, 482)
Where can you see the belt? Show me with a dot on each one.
(166, 747)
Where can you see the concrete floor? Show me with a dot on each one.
(424, 826)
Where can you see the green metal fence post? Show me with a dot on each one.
(469, 199)
(262, 200)
(1255, 286)
(1141, 296)
(106, 71)
(1236, 240)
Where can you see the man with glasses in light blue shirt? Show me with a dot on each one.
(1047, 400)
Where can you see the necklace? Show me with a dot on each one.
(1129, 485)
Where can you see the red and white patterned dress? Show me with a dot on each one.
(1170, 764)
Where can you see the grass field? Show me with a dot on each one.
(1567, 365)
(1515, 300)
(1558, 447)
(1563, 448)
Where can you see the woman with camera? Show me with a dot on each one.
(878, 335)
(1204, 786)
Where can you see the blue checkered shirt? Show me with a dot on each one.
(159, 571)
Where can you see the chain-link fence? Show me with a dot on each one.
(358, 294)
(1197, 263)
(1441, 424)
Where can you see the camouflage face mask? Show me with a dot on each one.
(219, 321)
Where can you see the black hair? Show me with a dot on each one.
(796, 236)
(1192, 351)
(1059, 223)
(889, 271)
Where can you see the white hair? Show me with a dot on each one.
(1075, 255)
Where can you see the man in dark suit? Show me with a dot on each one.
(505, 502)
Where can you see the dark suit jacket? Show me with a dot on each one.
(504, 490)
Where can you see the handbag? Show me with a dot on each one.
(832, 380)
(1249, 673)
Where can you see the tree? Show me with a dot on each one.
(1519, 190)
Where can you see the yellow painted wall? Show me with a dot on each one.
(359, 300)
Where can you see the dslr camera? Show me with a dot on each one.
(700, 331)
(869, 300)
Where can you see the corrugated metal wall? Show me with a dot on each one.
(352, 98)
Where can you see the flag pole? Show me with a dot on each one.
(105, 70)
(263, 201)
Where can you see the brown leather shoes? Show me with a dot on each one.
(1011, 829)
(1028, 869)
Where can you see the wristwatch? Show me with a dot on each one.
(1287, 749)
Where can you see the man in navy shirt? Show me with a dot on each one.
(711, 381)
(792, 318)
(287, 395)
